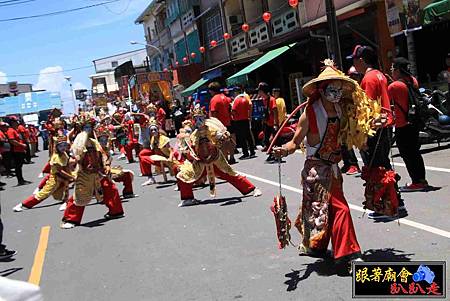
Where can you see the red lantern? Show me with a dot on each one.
(176, 63)
(213, 43)
(193, 55)
(245, 27)
(202, 49)
(185, 60)
(266, 17)
(293, 3)
(166, 70)
(226, 36)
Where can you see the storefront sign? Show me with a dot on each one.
(404, 14)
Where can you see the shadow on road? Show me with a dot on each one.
(7, 272)
(327, 267)
(96, 223)
(224, 201)
(388, 254)
(49, 205)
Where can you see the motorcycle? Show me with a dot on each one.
(436, 117)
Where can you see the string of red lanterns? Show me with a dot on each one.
(267, 16)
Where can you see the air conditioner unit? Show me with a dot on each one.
(237, 19)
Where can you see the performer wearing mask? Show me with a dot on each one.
(209, 136)
(58, 180)
(326, 122)
(91, 178)
(118, 174)
(158, 154)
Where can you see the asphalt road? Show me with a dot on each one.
(222, 249)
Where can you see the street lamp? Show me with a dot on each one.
(151, 46)
(68, 79)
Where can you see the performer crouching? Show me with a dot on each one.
(208, 160)
(118, 174)
(58, 180)
(91, 179)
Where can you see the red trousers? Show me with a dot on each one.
(111, 199)
(239, 182)
(127, 180)
(43, 181)
(145, 162)
(343, 237)
(46, 168)
(129, 150)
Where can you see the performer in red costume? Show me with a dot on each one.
(205, 144)
(58, 180)
(118, 174)
(92, 178)
(324, 212)
(158, 153)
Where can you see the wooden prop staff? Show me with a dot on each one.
(298, 108)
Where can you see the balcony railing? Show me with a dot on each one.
(284, 22)
(258, 34)
(238, 44)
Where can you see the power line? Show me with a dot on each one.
(33, 74)
(121, 12)
(60, 12)
(15, 3)
(9, 1)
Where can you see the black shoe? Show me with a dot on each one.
(5, 254)
(244, 157)
(252, 155)
(129, 196)
(2, 184)
(22, 183)
(109, 216)
(236, 151)
(232, 161)
(1, 188)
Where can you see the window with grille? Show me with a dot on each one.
(214, 30)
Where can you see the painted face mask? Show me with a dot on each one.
(87, 128)
(103, 140)
(199, 121)
(333, 92)
(153, 131)
(62, 147)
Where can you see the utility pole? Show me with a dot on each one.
(334, 33)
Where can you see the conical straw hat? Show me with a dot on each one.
(329, 73)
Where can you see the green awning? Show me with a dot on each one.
(238, 77)
(191, 89)
(436, 11)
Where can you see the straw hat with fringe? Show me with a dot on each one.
(330, 72)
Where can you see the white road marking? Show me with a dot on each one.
(426, 167)
(405, 221)
(432, 168)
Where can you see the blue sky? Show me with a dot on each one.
(65, 41)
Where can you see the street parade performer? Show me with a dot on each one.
(92, 178)
(206, 143)
(118, 173)
(158, 153)
(57, 182)
(337, 112)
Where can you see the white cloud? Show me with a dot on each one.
(3, 78)
(53, 79)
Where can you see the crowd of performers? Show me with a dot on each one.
(80, 159)
(338, 112)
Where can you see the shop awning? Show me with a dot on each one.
(238, 77)
(436, 11)
(191, 89)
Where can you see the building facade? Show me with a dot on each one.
(104, 80)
